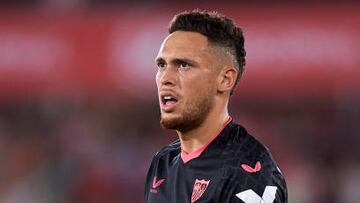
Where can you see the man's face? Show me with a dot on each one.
(185, 80)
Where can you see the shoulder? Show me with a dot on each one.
(243, 148)
(164, 158)
(249, 165)
(170, 150)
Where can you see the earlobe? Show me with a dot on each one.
(227, 79)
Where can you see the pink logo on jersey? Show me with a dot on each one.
(199, 189)
(155, 184)
(250, 169)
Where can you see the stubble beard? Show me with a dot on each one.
(193, 115)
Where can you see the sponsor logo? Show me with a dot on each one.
(249, 196)
(250, 169)
(155, 184)
(199, 189)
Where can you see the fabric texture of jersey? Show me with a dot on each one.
(233, 168)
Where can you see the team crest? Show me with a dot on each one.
(199, 189)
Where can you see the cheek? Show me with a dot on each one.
(198, 87)
(157, 79)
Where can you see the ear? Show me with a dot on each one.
(226, 79)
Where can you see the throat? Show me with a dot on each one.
(186, 157)
(194, 143)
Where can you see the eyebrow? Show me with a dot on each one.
(177, 61)
(158, 60)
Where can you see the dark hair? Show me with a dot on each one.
(219, 30)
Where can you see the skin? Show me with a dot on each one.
(200, 76)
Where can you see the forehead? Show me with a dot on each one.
(184, 44)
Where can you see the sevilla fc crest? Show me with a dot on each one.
(199, 189)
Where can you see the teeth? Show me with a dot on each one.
(167, 97)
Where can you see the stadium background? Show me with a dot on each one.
(78, 105)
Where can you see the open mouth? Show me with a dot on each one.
(168, 102)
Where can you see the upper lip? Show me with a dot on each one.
(168, 92)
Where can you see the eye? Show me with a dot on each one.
(161, 65)
(184, 65)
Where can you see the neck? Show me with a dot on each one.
(207, 131)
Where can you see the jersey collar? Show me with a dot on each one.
(186, 157)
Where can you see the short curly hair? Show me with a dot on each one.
(219, 29)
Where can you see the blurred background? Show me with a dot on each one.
(79, 120)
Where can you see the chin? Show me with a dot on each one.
(181, 123)
(170, 122)
(189, 118)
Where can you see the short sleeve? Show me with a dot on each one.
(263, 186)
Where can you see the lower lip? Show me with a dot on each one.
(169, 106)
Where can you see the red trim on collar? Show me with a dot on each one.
(186, 157)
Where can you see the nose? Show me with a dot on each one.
(167, 76)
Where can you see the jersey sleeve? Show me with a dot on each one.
(265, 185)
(148, 179)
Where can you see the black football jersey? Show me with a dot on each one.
(233, 168)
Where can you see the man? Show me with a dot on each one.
(215, 159)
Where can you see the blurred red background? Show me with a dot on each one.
(78, 104)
